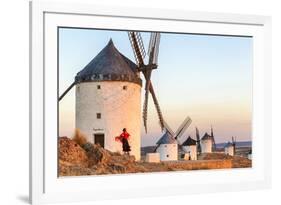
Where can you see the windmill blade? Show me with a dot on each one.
(183, 127)
(157, 106)
(153, 52)
(214, 143)
(234, 144)
(168, 128)
(139, 53)
(66, 91)
(198, 140)
(213, 139)
(145, 104)
(153, 48)
(137, 46)
(197, 134)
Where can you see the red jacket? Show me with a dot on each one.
(124, 135)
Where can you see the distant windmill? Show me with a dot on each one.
(230, 147)
(146, 69)
(169, 143)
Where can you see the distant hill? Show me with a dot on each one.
(238, 144)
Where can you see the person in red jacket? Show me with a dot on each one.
(123, 138)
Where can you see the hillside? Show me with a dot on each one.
(78, 157)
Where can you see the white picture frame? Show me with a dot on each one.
(46, 187)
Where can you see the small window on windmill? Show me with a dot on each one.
(125, 87)
(98, 87)
(165, 145)
(98, 115)
(167, 155)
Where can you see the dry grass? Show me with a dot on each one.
(79, 137)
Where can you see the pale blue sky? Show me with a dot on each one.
(206, 77)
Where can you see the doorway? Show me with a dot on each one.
(99, 139)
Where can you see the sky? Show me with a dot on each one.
(206, 77)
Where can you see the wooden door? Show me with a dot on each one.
(99, 139)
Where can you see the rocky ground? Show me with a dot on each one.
(78, 157)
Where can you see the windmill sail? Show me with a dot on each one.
(213, 139)
(169, 129)
(157, 106)
(234, 144)
(139, 53)
(66, 91)
(198, 140)
(153, 48)
(153, 54)
(138, 48)
(183, 127)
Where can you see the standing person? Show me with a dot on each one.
(123, 138)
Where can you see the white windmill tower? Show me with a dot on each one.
(229, 148)
(189, 146)
(108, 94)
(167, 145)
(206, 143)
(108, 99)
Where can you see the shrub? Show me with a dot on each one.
(79, 137)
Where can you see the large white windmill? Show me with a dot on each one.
(108, 94)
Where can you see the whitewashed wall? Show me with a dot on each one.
(206, 146)
(119, 109)
(192, 150)
(168, 152)
(229, 150)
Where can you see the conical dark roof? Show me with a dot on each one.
(109, 65)
(167, 138)
(228, 144)
(189, 141)
(207, 137)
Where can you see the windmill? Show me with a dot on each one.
(98, 87)
(146, 69)
(180, 131)
(168, 144)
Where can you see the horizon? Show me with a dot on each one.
(206, 77)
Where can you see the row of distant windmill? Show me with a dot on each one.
(111, 79)
(169, 148)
